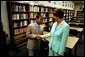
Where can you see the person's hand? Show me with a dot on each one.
(44, 40)
(38, 37)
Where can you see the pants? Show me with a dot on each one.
(52, 53)
(33, 52)
(43, 48)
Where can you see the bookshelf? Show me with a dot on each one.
(18, 16)
(46, 12)
(68, 15)
(80, 16)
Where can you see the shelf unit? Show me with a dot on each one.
(68, 15)
(46, 12)
(80, 16)
(18, 16)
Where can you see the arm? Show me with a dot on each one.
(49, 34)
(46, 35)
(64, 40)
(29, 32)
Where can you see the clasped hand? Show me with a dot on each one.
(38, 37)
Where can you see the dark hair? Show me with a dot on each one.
(59, 13)
(37, 17)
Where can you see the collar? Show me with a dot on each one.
(59, 25)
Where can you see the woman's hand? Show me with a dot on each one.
(38, 37)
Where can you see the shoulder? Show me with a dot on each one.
(33, 24)
(66, 25)
(55, 23)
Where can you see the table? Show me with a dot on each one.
(77, 28)
(76, 23)
(71, 42)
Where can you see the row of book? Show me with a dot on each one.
(33, 15)
(19, 16)
(44, 20)
(50, 19)
(34, 8)
(19, 8)
(50, 15)
(51, 10)
(43, 14)
(20, 24)
(38, 9)
(71, 14)
(32, 21)
(21, 30)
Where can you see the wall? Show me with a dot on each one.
(4, 19)
(78, 7)
(58, 4)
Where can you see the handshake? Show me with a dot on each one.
(38, 37)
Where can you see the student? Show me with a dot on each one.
(34, 29)
(59, 34)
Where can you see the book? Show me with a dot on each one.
(46, 10)
(16, 7)
(15, 25)
(34, 15)
(50, 15)
(24, 16)
(24, 8)
(16, 31)
(21, 30)
(20, 8)
(17, 17)
(50, 19)
(21, 24)
(14, 16)
(25, 23)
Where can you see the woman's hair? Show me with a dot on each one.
(59, 13)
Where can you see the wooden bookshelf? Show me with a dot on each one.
(68, 15)
(80, 16)
(18, 15)
(46, 12)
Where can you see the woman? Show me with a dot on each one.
(59, 34)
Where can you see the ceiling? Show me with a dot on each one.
(78, 2)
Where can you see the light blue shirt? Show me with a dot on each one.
(37, 27)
